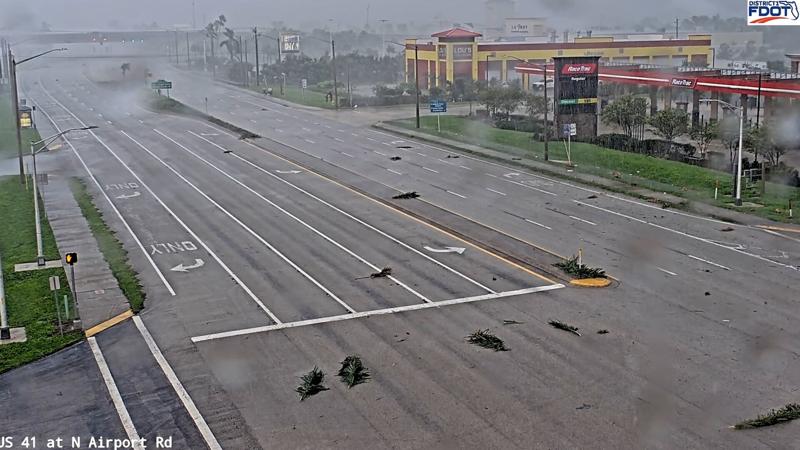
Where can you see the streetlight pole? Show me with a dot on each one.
(738, 179)
(335, 87)
(40, 260)
(15, 100)
(255, 35)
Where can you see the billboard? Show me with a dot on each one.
(290, 43)
(576, 83)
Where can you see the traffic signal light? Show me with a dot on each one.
(71, 258)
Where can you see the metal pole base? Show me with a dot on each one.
(5, 333)
(738, 202)
(40, 261)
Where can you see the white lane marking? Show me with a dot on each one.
(429, 170)
(307, 130)
(348, 155)
(708, 262)
(354, 134)
(338, 139)
(530, 187)
(341, 131)
(116, 398)
(493, 176)
(183, 395)
(205, 246)
(456, 194)
(538, 224)
(141, 121)
(253, 120)
(667, 272)
(380, 153)
(465, 167)
(356, 219)
(295, 218)
(279, 120)
(496, 192)
(102, 191)
(611, 212)
(309, 141)
(388, 144)
(243, 225)
(446, 162)
(109, 122)
(582, 220)
(698, 238)
(377, 312)
(327, 126)
(394, 171)
(278, 130)
(371, 139)
(421, 154)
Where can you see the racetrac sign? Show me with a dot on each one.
(683, 82)
(772, 12)
(579, 69)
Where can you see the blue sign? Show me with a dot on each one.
(438, 106)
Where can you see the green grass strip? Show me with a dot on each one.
(111, 248)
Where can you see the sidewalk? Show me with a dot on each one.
(99, 295)
(594, 180)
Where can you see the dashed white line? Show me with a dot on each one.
(667, 272)
(491, 175)
(582, 220)
(394, 171)
(421, 154)
(465, 167)
(354, 134)
(373, 140)
(309, 141)
(116, 398)
(538, 224)
(429, 170)
(456, 194)
(496, 192)
(382, 154)
(337, 139)
(348, 155)
(708, 262)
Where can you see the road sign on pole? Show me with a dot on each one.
(438, 106)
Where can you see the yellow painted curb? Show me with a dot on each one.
(591, 282)
(109, 323)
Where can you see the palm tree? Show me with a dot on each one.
(230, 43)
(125, 68)
(212, 31)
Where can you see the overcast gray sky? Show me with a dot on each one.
(73, 14)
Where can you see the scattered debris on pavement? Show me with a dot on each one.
(248, 135)
(385, 272)
(453, 156)
(789, 412)
(563, 326)
(395, 158)
(486, 339)
(406, 195)
(353, 371)
(511, 322)
(404, 147)
(311, 383)
(580, 271)
(603, 331)
(227, 151)
(584, 406)
(592, 197)
(726, 229)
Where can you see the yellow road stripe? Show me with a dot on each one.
(109, 323)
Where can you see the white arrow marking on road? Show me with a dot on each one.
(198, 263)
(459, 250)
(122, 197)
(512, 174)
(288, 171)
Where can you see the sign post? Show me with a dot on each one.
(71, 259)
(304, 85)
(55, 285)
(568, 130)
(161, 84)
(438, 107)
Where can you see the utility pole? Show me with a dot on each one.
(5, 332)
(546, 124)
(335, 87)
(677, 21)
(177, 52)
(416, 76)
(758, 102)
(279, 48)
(15, 103)
(188, 57)
(255, 35)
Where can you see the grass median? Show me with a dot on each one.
(111, 248)
(296, 95)
(684, 180)
(29, 300)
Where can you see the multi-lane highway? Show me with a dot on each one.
(257, 267)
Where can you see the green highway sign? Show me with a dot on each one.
(161, 84)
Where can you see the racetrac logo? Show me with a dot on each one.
(683, 82)
(772, 12)
(579, 69)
